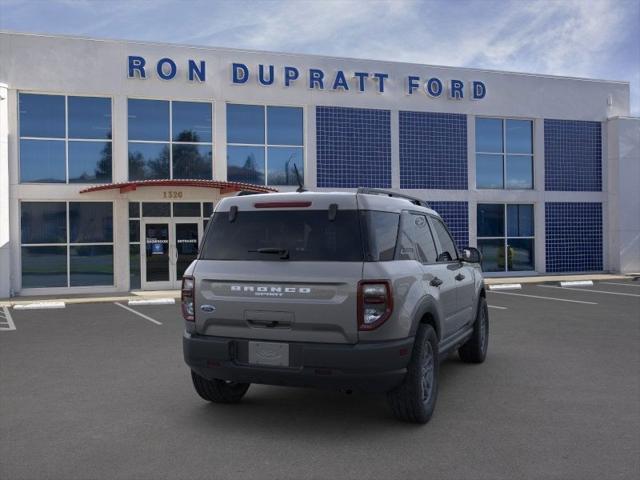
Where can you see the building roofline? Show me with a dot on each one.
(290, 54)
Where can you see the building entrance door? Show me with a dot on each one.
(170, 245)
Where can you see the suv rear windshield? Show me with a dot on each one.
(289, 235)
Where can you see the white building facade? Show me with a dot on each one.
(113, 155)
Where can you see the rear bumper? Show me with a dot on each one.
(369, 367)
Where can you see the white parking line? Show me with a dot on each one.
(152, 301)
(546, 298)
(8, 324)
(138, 313)
(497, 307)
(622, 284)
(39, 305)
(591, 290)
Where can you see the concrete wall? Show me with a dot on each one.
(5, 246)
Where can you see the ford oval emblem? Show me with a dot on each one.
(208, 308)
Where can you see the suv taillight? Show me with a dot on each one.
(375, 303)
(187, 297)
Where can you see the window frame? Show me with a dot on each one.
(506, 236)
(266, 145)
(67, 244)
(66, 139)
(504, 154)
(170, 142)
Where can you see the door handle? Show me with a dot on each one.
(436, 282)
(459, 277)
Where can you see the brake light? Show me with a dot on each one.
(375, 303)
(188, 299)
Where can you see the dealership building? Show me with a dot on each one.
(113, 155)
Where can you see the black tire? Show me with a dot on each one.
(415, 399)
(219, 391)
(474, 350)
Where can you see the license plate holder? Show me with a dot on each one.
(269, 353)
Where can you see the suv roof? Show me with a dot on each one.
(364, 199)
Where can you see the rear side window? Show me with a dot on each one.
(416, 241)
(284, 235)
(380, 229)
(448, 250)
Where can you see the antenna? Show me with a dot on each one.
(300, 188)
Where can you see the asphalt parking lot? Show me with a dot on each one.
(99, 391)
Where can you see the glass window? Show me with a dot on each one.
(489, 171)
(489, 135)
(148, 161)
(91, 265)
(191, 122)
(284, 126)
(245, 124)
(207, 209)
(42, 115)
(44, 267)
(504, 153)
(43, 222)
(134, 230)
(281, 165)
(380, 229)
(448, 250)
(148, 119)
(134, 266)
(89, 117)
(156, 209)
(306, 235)
(519, 136)
(513, 252)
(192, 161)
(89, 162)
(245, 164)
(134, 210)
(490, 220)
(42, 161)
(90, 222)
(184, 209)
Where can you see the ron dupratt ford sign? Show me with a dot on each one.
(314, 78)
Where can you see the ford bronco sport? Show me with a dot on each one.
(353, 291)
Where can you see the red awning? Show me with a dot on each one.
(224, 187)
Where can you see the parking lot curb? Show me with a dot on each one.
(80, 300)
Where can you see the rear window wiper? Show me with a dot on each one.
(283, 252)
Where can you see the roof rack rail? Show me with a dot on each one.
(389, 193)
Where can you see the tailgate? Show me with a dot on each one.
(281, 301)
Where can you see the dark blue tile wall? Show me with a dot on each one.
(573, 236)
(572, 155)
(353, 147)
(433, 150)
(456, 216)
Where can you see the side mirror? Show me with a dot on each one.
(471, 255)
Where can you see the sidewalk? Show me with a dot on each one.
(175, 294)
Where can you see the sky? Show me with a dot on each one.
(579, 38)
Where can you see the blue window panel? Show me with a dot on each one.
(281, 161)
(134, 266)
(353, 147)
(43, 222)
(41, 115)
(284, 126)
(42, 161)
(89, 162)
(573, 236)
(148, 161)
(192, 122)
(245, 164)
(148, 119)
(433, 150)
(89, 117)
(572, 155)
(245, 124)
(91, 265)
(192, 161)
(90, 222)
(456, 216)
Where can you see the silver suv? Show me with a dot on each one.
(352, 291)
